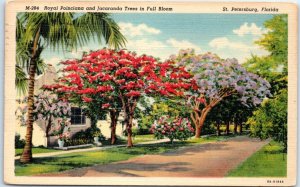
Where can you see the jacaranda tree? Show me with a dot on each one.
(46, 107)
(122, 76)
(216, 79)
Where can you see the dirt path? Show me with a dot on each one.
(205, 160)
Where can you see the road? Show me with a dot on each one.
(203, 160)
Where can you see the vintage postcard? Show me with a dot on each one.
(150, 93)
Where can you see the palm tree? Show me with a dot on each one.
(59, 31)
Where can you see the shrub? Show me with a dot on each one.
(97, 133)
(143, 131)
(178, 128)
(79, 135)
(73, 142)
(270, 120)
(19, 143)
(102, 137)
(89, 134)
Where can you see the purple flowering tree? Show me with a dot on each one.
(214, 80)
(47, 108)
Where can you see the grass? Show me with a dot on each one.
(77, 160)
(269, 161)
(35, 150)
(143, 138)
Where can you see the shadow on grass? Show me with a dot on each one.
(119, 141)
(131, 169)
(53, 161)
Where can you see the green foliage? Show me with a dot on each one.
(19, 143)
(161, 107)
(271, 69)
(270, 161)
(274, 66)
(270, 120)
(21, 81)
(230, 110)
(276, 40)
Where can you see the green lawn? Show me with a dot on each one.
(35, 150)
(143, 138)
(267, 162)
(76, 160)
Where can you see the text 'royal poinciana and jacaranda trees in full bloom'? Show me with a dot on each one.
(107, 79)
(217, 79)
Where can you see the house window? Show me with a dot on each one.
(77, 117)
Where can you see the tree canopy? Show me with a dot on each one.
(216, 79)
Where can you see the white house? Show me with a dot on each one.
(78, 120)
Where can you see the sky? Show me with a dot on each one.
(161, 35)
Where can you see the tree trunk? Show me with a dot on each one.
(241, 128)
(235, 128)
(171, 140)
(198, 131)
(113, 133)
(26, 156)
(94, 122)
(227, 128)
(129, 132)
(201, 121)
(48, 127)
(113, 125)
(129, 105)
(218, 130)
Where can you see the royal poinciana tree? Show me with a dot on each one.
(216, 79)
(122, 77)
(83, 84)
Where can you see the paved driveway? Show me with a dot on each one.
(205, 160)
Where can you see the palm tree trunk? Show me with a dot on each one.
(26, 156)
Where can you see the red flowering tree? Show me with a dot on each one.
(83, 83)
(121, 77)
